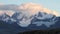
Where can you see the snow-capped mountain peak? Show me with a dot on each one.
(26, 13)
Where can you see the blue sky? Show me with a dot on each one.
(51, 4)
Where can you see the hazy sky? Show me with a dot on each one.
(50, 4)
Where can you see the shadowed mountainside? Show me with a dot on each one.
(6, 28)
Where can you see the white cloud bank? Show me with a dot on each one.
(31, 9)
(8, 12)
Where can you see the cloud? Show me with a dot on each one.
(1, 12)
(31, 9)
(8, 12)
(56, 13)
(47, 10)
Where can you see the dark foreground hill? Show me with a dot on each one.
(51, 31)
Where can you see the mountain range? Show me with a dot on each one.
(14, 19)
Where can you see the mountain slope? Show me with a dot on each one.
(15, 28)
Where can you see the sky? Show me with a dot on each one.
(50, 4)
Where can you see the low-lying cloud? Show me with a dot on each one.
(7, 12)
(34, 8)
